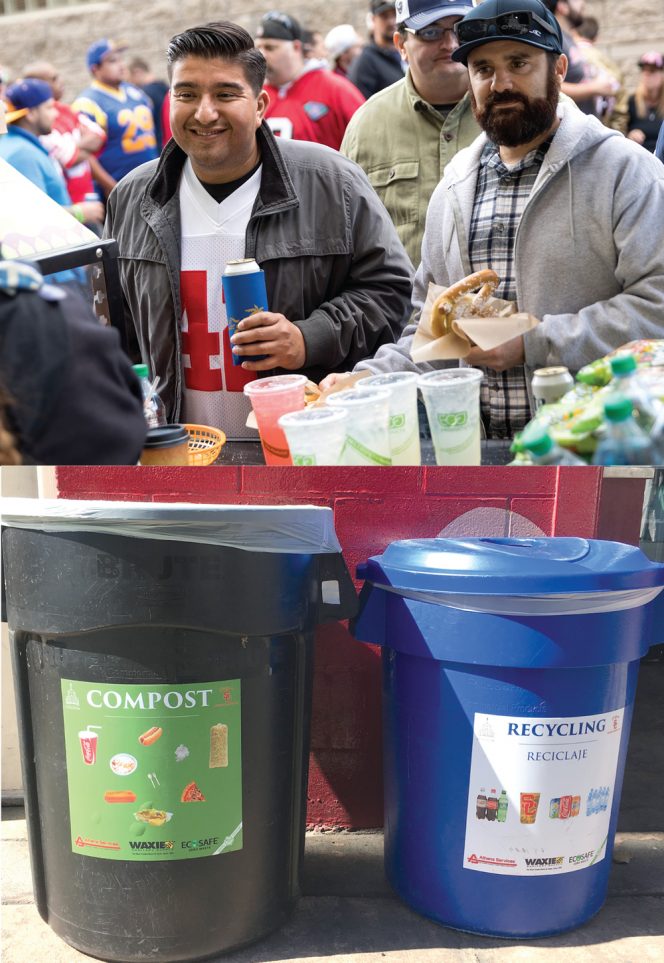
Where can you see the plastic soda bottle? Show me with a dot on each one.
(480, 806)
(153, 406)
(492, 806)
(626, 382)
(501, 815)
(545, 451)
(624, 443)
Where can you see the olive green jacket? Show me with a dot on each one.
(403, 144)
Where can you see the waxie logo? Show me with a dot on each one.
(162, 844)
(200, 843)
(550, 861)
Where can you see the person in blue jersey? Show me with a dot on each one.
(124, 111)
(29, 112)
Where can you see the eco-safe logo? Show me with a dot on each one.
(452, 420)
(200, 844)
(581, 857)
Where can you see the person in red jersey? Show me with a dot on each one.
(307, 100)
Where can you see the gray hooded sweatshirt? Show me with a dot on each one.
(589, 249)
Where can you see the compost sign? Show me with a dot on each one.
(154, 771)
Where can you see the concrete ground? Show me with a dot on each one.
(349, 915)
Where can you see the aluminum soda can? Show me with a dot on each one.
(243, 284)
(550, 384)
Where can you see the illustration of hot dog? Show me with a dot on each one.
(151, 736)
(119, 796)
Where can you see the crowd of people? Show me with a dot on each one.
(456, 138)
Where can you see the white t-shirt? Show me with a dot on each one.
(212, 235)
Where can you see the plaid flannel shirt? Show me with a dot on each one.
(500, 198)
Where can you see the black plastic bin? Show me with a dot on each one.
(163, 681)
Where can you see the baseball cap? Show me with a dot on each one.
(527, 21)
(99, 49)
(340, 39)
(652, 59)
(23, 96)
(381, 6)
(279, 26)
(418, 14)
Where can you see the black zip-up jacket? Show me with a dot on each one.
(333, 262)
(375, 68)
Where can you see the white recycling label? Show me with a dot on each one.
(540, 792)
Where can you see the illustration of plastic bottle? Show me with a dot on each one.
(501, 815)
(492, 806)
(480, 805)
(589, 804)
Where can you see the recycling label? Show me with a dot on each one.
(154, 772)
(540, 792)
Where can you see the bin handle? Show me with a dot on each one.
(337, 597)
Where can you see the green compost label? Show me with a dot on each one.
(153, 771)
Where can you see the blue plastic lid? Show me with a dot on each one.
(511, 566)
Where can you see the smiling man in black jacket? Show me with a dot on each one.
(338, 279)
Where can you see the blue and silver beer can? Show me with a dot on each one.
(244, 294)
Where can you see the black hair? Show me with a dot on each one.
(550, 5)
(223, 40)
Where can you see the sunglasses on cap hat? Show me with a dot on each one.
(274, 16)
(516, 24)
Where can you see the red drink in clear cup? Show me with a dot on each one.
(88, 747)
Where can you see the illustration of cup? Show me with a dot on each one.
(529, 804)
(88, 746)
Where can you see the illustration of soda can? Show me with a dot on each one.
(565, 807)
(554, 808)
(245, 294)
(576, 805)
(529, 804)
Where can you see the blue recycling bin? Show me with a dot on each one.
(509, 674)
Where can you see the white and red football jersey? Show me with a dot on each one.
(212, 235)
(317, 107)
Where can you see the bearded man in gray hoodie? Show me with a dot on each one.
(566, 212)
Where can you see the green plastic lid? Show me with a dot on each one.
(142, 370)
(618, 408)
(623, 364)
(537, 442)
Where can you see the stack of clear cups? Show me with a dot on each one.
(404, 431)
(367, 433)
(316, 436)
(452, 400)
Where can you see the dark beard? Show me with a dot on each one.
(511, 127)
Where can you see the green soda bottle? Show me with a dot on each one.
(501, 815)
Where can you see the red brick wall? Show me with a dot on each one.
(372, 507)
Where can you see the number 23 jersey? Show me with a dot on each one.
(126, 116)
